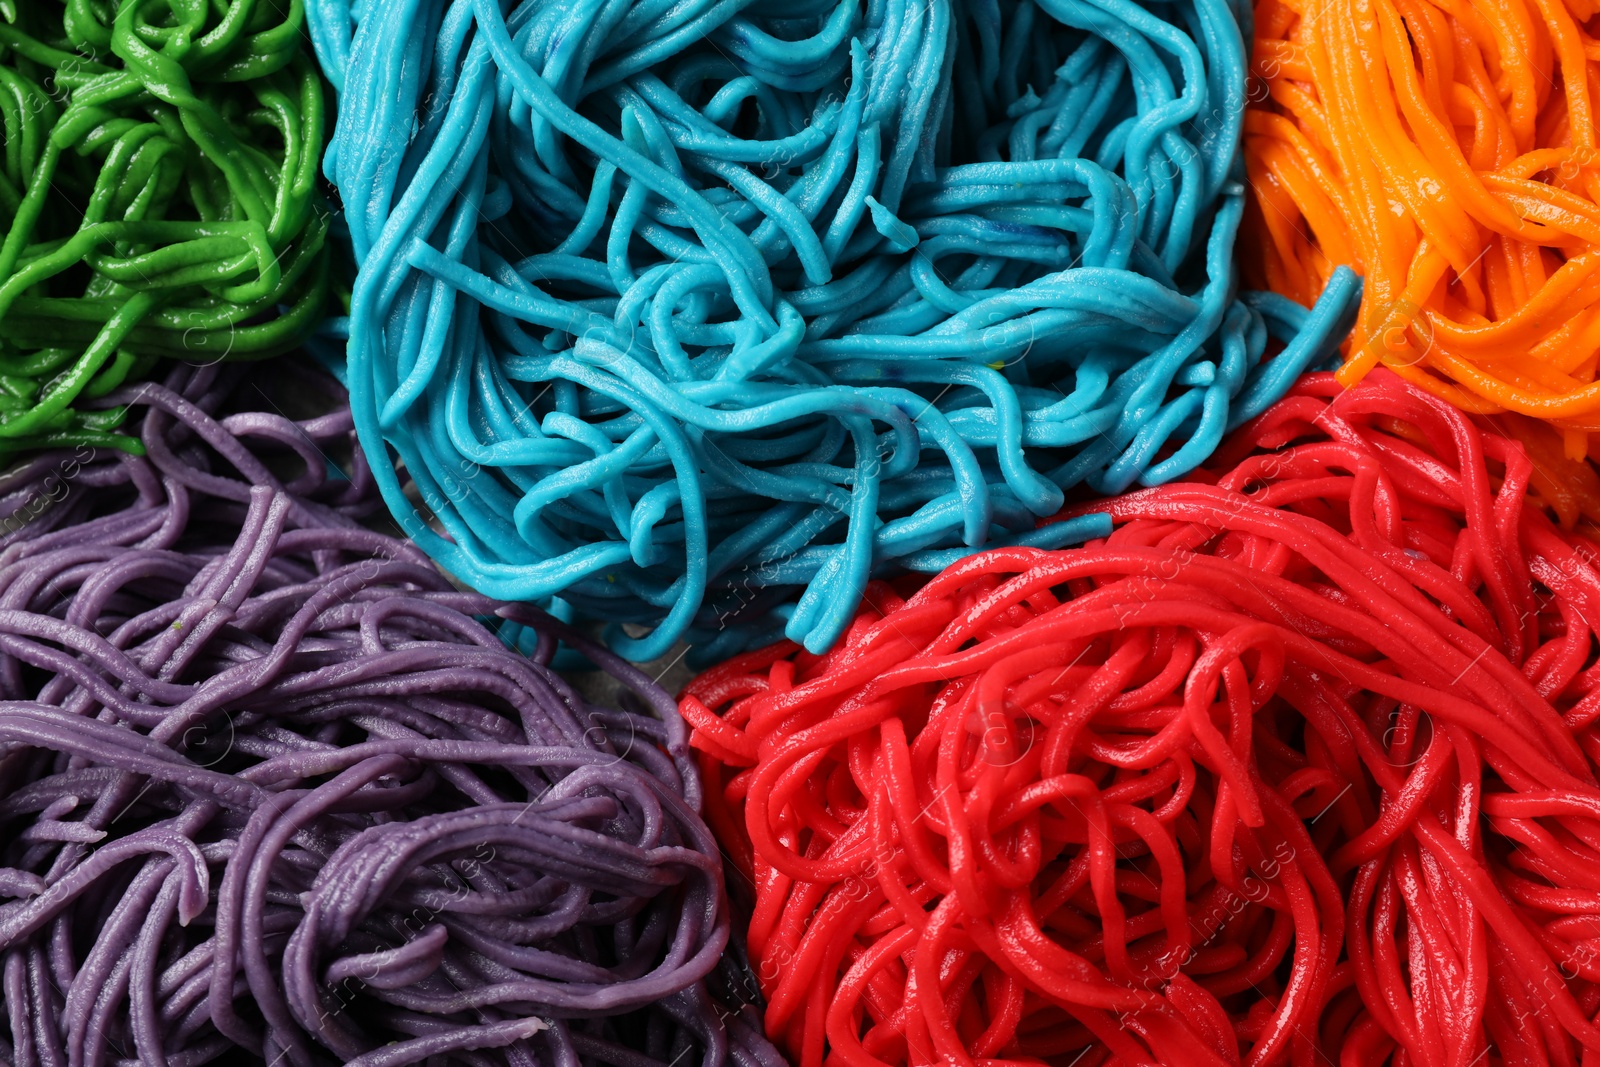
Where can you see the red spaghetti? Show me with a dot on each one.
(1297, 766)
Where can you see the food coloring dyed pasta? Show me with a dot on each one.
(672, 311)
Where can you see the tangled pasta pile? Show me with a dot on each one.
(1447, 152)
(157, 198)
(1297, 766)
(273, 790)
(673, 310)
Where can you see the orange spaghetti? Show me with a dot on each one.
(1445, 150)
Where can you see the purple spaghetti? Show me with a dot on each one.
(273, 790)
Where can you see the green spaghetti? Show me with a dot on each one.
(158, 198)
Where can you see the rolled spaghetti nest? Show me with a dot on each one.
(676, 310)
(272, 790)
(158, 198)
(1297, 766)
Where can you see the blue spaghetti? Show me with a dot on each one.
(674, 307)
